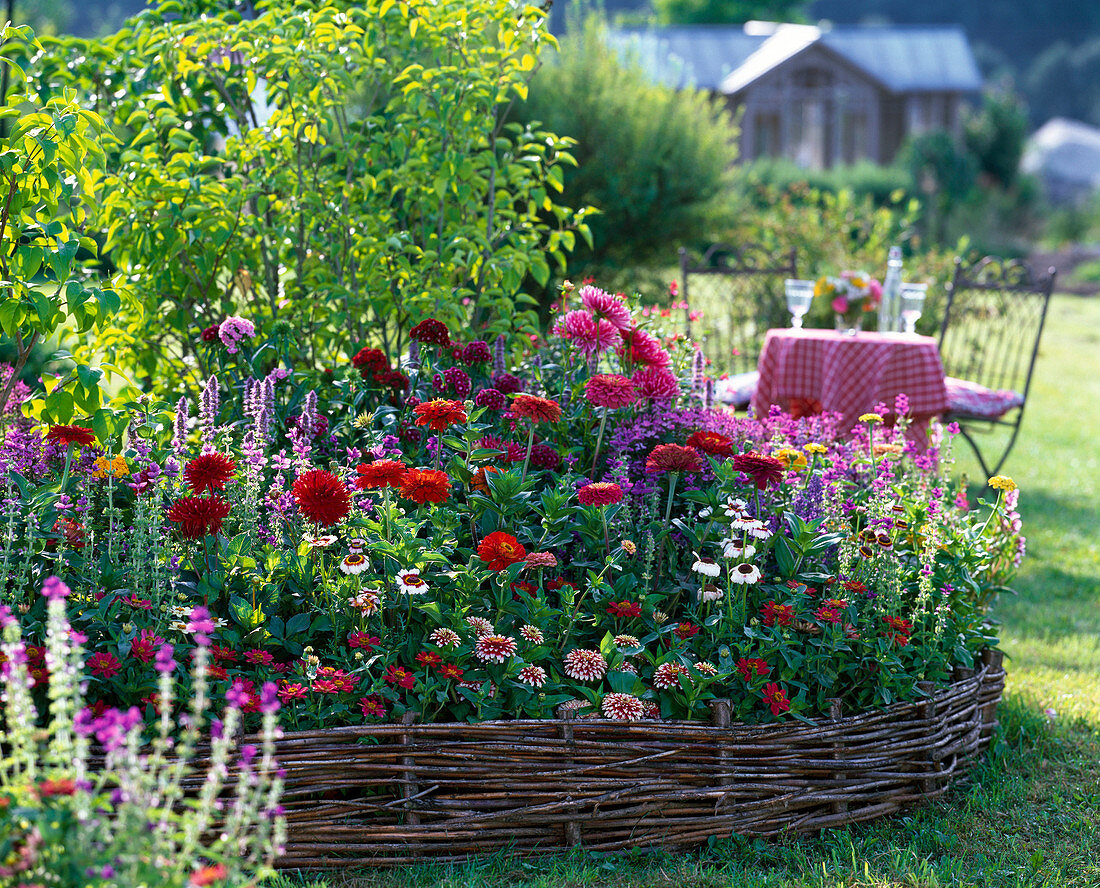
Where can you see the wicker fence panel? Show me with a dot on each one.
(382, 795)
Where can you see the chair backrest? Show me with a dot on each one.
(995, 313)
(741, 295)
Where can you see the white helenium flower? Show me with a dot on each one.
(705, 566)
(745, 573)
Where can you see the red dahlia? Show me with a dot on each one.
(440, 413)
(763, 470)
(500, 549)
(536, 409)
(673, 458)
(380, 473)
(321, 497)
(198, 516)
(71, 434)
(431, 332)
(209, 471)
(425, 486)
(370, 358)
(711, 443)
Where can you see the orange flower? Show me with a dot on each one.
(425, 486)
(500, 549)
(536, 409)
(480, 481)
(208, 875)
(439, 414)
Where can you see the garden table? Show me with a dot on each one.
(823, 370)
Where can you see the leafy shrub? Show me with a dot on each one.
(339, 170)
(654, 161)
(494, 540)
(885, 185)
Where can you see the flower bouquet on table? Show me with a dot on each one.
(853, 295)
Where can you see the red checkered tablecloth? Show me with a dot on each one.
(850, 374)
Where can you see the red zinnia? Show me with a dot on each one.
(321, 497)
(372, 707)
(628, 609)
(399, 675)
(673, 458)
(198, 516)
(71, 434)
(752, 666)
(500, 549)
(536, 409)
(450, 670)
(104, 664)
(899, 631)
(776, 698)
(684, 631)
(600, 493)
(429, 658)
(827, 614)
(209, 471)
(431, 332)
(763, 470)
(439, 413)
(425, 486)
(773, 613)
(610, 390)
(711, 443)
(380, 473)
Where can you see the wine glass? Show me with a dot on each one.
(799, 296)
(912, 304)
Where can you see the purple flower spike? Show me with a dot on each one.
(237, 696)
(269, 697)
(6, 618)
(54, 588)
(164, 661)
(248, 753)
(200, 624)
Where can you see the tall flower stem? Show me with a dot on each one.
(527, 455)
(599, 441)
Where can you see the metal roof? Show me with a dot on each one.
(698, 56)
(725, 58)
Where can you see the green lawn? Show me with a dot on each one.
(1031, 815)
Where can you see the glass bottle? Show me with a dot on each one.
(889, 312)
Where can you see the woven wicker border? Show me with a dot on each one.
(382, 795)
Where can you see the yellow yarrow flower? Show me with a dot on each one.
(1001, 482)
(870, 417)
(815, 448)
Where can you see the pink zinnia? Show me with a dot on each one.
(591, 335)
(104, 665)
(656, 383)
(585, 665)
(600, 494)
(642, 348)
(605, 305)
(610, 390)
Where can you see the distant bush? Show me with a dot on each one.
(656, 162)
(885, 185)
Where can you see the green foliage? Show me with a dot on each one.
(995, 136)
(345, 169)
(715, 12)
(654, 161)
(883, 184)
(50, 159)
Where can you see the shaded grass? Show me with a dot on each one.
(1030, 815)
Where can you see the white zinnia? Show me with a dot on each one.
(732, 549)
(745, 573)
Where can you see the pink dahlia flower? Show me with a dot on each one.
(605, 305)
(610, 390)
(589, 334)
(656, 384)
(645, 349)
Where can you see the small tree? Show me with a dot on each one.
(330, 170)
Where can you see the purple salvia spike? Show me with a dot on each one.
(179, 428)
(208, 413)
(498, 354)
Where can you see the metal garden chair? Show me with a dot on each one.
(741, 294)
(989, 341)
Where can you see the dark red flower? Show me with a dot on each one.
(507, 384)
(393, 379)
(684, 631)
(426, 486)
(103, 664)
(400, 676)
(673, 458)
(369, 358)
(431, 332)
(499, 549)
(624, 609)
(750, 667)
(490, 398)
(321, 497)
(476, 352)
(209, 471)
(450, 670)
(71, 434)
(899, 630)
(429, 658)
(600, 493)
(543, 456)
(380, 473)
(198, 516)
(763, 470)
(210, 334)
(827, 614)
(536, 409)
(711, 443)
(372, 707)
(72, 531)
(776, 698)
(439, 414)
(60, 787)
